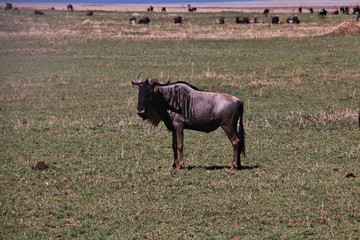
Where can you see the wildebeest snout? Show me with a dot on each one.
(141, 113)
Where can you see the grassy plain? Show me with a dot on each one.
(66, 99)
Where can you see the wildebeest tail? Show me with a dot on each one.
(241, 133)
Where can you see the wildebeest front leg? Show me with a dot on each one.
(232, 135)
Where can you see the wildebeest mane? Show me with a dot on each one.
(193, 87)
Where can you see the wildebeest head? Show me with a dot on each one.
(147, 89)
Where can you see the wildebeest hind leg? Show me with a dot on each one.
(174, 146)
(231, 134)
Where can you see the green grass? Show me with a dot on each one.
(66, 99)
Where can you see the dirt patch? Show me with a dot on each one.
(346, 29)
(34, 51)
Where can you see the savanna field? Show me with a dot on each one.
(66, 100)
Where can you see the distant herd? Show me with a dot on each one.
(245, 20)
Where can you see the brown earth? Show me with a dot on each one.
(346, 29)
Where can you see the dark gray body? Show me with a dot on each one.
(181, 106)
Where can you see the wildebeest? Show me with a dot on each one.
(178, 19)
(38, 12)
(132, 20)
(89, 13)
(150, 9)
(192, 9)
(70, 7)
(294, 19)
(220, 20)
(163, 9)
(356, 10)
(323, 13)
(275, 20)
(245, 20)
(8, 6)
(182, 106)
(336, 12)
(311, 10)
(300, 9)
(144, 20)
(266, 11)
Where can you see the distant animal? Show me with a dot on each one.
(221, 20)
(89, 13)
(52, 8)
(182, 106)
(245, 20)
(342, 10)
(144, 20)
(70, 7)
(356, 10)
(336, 12)
(266, 11)
(150, 9)
(294, 19)
(300, 9)
(163, 9)
(132, 20)
(8, 6)
(311, 10)
(16, 10)
(192, 9)
(275, 20)
(323, 13)
(256, 20)
(178, 19)
(38, 12)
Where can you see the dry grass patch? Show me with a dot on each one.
(34, 51)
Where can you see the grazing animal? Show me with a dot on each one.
(16, 10)
(192, 9)
(8, 6)
(275, 20)
(132, 20)
(144, 20)
(221, 20)
(182, 106)
(178, 19)
(336, 12)
(163, 9)
(293, 20)
(311, 10)
(89, 13)
(356, 10)
(38, 12)
(323, 13)
(266, 11)
(70, 7)
(300, 9)
(245, 20)
(150, 9)
(256, 20)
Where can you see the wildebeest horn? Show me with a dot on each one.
(137, 81)
(156, 81)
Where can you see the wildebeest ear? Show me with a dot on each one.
(156, 88)
(135, 85)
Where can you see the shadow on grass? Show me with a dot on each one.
(216, 167)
